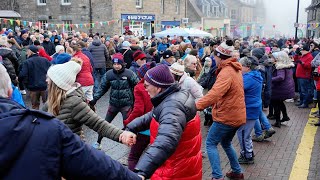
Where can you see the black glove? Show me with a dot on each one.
(298, 51)
(93, 102)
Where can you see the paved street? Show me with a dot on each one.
(274, 158)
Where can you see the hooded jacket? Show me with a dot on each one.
(175, 137)
(226, 95)
(100, 54)
(252, 82)
(30, 136)
(84, 77)
(10, 62)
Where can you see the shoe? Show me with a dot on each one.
(268, 133)
(235, 176)
(244, 160)
(317, 124)
(23, 92)
(315, 113)
(271, 117)
(258, 138)
(284, 119)
(289, 100)
(96, 146)
(298, 104)
(277, 124)
(303, 106)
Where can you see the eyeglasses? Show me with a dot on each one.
(194, 64)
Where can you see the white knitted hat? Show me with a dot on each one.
(177, 69)
(64, 75)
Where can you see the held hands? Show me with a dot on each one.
(128, 138)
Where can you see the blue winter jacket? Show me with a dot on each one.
(35, 145)
(252, 82)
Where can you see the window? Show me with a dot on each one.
(162, 7)
(42, 24)
(42, 2)
(215, 11)
(233, 14)
(138, 3)
(65, 2)
(177, 6)
(67, 28)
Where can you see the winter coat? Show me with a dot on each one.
(135, 48)
(84, 77)
(134, 67)
(304, 69)
(10, 62)
(128, 56)
(142, 104)
(49, 47)
(252, 83)
(315, 52)
(100, 54)
(34, 73)
(226, 95)
(75, 113)
(317, 79)
(86, 52)
(207, 79)
(121, 83)
(36, 137)
(175, 128)
(282, 84)
(188, 83)
(150, 58)
(265, 68)
(316, 61)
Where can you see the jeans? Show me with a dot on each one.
(245, 140)
(137, 150)
(111, 114)
(35, 98)
(262, 121)
(306, 91)
(220, 133)
(97, 76)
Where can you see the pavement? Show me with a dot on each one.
(291, 146)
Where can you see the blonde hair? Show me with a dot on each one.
(69, 50)
(56, 96)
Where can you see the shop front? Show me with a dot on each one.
(139, 24)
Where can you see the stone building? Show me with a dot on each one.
(313, 10)
(144, 17)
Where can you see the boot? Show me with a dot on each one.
(285, 118)
(277, 124)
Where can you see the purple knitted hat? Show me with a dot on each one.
(159, 76)
(144, 68)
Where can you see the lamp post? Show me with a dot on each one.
(90, 16)
(297, 19)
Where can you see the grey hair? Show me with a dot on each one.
(188, 59)
(5, 82)
(248, 62)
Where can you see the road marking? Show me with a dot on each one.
(300, 169)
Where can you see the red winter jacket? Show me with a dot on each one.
(304, 69)
(84, 77)
(317, 79)
(186, 162)
(142, 102)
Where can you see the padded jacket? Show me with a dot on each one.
(100, 54)
(121, 83)
(174, 110)
(75, 112)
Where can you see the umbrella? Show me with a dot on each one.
(172, 32)
(183, 32)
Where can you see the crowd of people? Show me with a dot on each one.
(160, 86)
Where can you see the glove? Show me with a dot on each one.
(298, 61)
(93, 102)
(298, 51)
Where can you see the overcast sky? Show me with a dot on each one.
(282, 13)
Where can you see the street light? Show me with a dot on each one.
(90, 16)
(297, 19)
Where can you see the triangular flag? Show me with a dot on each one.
(97, 22)
(108, 23)
(132, 21)
(211, 28)
(4, 20)
(24, 23)
(77, 25)
(152, 25)
(52, 26)
(18, 22)
(92, 25)
(11, 21)
(85, 25)
(30, 24)
(46, 25)
(80, 25)
(101, 23)
(58, 26)
(71, 25)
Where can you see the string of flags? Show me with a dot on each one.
(308, 25)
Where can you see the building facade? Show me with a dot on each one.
(313, 10)
(143, 17)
